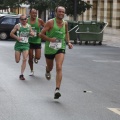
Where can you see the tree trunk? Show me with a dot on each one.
(39, 14)
(75, 10)
(45, 15)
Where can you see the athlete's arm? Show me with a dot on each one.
(46, 28)
(31, 31)
(14, 30)
(41, 22)
(67, 36)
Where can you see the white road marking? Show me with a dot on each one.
(87, 91)
(107, 61)
(115, 110)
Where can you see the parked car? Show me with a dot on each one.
(7, 23)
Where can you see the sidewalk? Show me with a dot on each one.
(111, 37)
(111, 40)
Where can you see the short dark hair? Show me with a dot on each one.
(32, 9)
(58, 7)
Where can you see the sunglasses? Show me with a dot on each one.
(23, 19)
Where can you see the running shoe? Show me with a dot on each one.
(31, 73)
(57, 94)
(21, 77)
(48, 75)
(35, 60)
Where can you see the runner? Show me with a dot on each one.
(35, 42)
(55, 32)
(21, 46)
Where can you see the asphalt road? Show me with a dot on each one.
(90, 88)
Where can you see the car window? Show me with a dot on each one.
(10, 21)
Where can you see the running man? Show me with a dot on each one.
(23, 30)
(55, 33)
(35, 42)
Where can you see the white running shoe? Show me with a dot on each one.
(57, 94)
(31, 73)
(48, 75)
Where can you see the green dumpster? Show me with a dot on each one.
(72, 26)
(90, 31)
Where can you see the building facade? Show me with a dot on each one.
(103, 10)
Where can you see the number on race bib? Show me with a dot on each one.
(55, 45)
(24, 40)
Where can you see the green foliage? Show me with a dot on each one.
(69, 5)
(9, 3)
(2, 6)
(40, 5)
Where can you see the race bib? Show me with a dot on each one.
(24, 40)
(55, 45)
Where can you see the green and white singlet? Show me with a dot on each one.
(55, 32)
(24, 34)
(35, 27)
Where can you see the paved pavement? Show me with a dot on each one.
(90, 88)
(111, 39)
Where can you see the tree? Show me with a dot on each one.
(5, 4)
(40, 5)
(11, 3)
(2, 6)
(72, 6)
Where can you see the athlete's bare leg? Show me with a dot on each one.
(37, 55)
(49, 67)
(31, 59)
(25, 56)
(59, 58)
(17, 56)
(23, 66)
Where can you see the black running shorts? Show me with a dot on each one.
(35, 46)
(52, 56)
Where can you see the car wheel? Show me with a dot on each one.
(3, 36)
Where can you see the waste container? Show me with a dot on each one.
(90, 31)
(72, 26)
